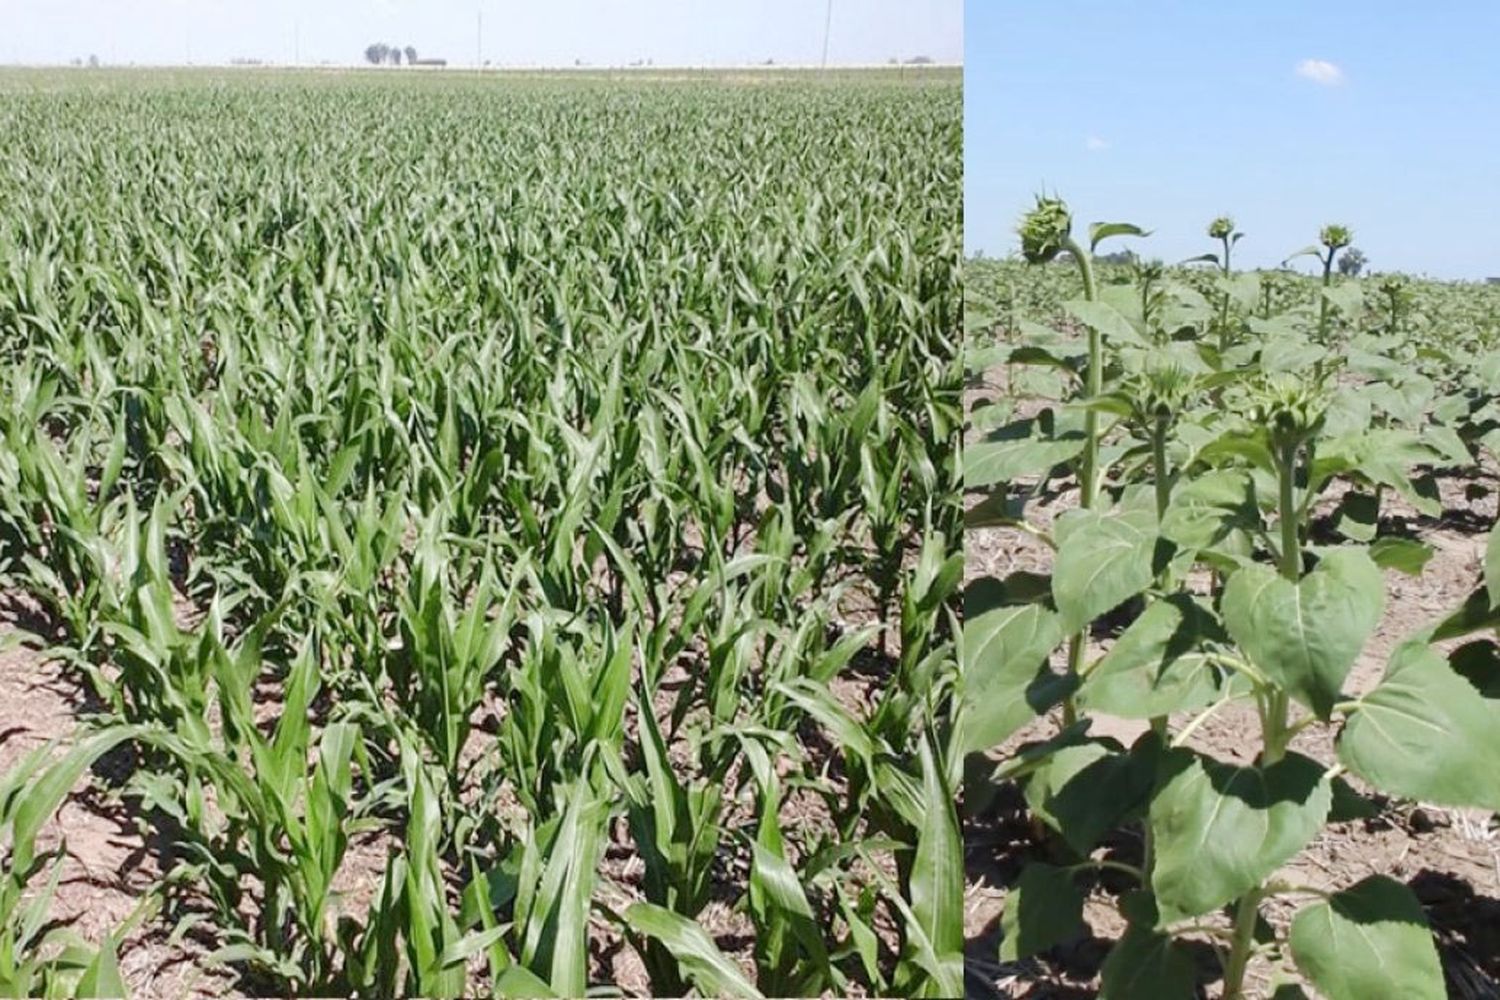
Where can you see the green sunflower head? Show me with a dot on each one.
(1291, 409)
(1221, 227)
(1335, 237)
(1044, 230)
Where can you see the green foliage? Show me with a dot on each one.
(474, 517)
(1229, 443)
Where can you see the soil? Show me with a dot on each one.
(1449, 858)
(109, 860)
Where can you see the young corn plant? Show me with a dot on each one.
(38, 958)
(477, 518)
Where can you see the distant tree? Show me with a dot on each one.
(394, 54)
(1352, 262)
(920, 61)
(411, 54)
(93, 62)
(376, 54)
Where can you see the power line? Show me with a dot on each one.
(827, 25)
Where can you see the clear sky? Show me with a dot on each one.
(516, 32)
(1383, 115)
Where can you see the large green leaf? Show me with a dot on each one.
(1220, 830)
(1085, 790)
(1357, 516)
(937, 869)
(1006, 678)
(1346, 298)
(1147, 965)
(1371, 940)
(1290, 354)
(1045, 908)
(1407, 555)
(1016, 451)
(1305, 636)
(1425, 733)
(1159, 665)
(1109, 321)
(1101, 231)
(1103, 559)
(1208, 509)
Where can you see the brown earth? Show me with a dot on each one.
(109, 858)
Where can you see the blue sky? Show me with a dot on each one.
(1286, 114)
(548, 33)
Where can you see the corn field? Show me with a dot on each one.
(547, 488)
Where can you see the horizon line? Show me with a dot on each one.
(504, 67)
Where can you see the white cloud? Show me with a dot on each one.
(1094, 144)
(1320, 71)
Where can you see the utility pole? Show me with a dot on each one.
(827, 24)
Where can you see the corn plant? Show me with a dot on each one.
(478, 506)
(37, 959)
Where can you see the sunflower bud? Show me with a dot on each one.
(1044, 229)
(1335, 237)
(1159, 394)
(1221, 227)
(1292, 410)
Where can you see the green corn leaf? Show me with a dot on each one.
(701, 960)
(937, 873)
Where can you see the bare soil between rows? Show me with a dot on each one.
(1449, 858)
